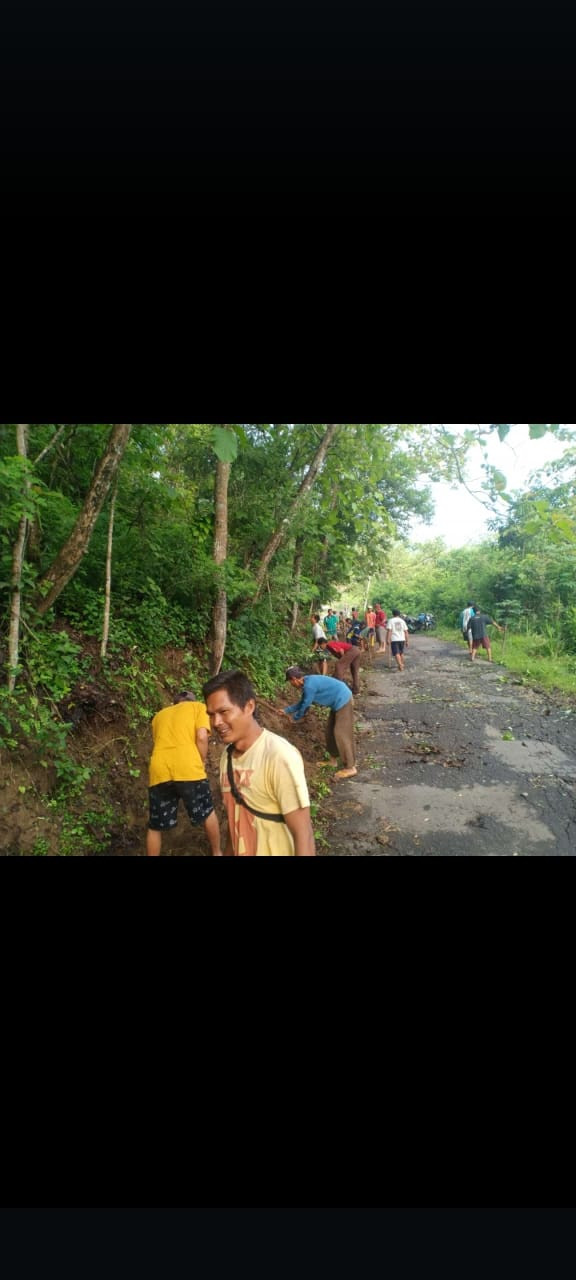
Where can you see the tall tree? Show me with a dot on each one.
(70, 555)
(278, 537)
(225, 445)
(18, 564)
(298, 562)
(108, 589)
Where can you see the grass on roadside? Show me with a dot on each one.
(536, 657)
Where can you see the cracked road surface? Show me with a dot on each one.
(455, 759)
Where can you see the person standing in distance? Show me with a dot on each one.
(479, 633)
(465, 617)
(381, 620)
(317, 630)
(178, 772)
(261, 777)
(398, 637)
(331, 624)
(371, 625)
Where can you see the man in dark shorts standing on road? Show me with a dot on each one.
(480, 638)
(177, 772)
(398, 637)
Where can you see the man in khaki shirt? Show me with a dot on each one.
(261, 775)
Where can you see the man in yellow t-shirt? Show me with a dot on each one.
(261, 775)
(177, 772)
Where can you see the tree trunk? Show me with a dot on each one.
(106, 627)
(70, 556)
(220, 614)
(298, 559)
(17, 566)
(278, 537)
(50, 445)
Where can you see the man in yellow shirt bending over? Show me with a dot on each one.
(177, 772)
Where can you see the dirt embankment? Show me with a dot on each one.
(188, 842)
(457, 759)
(111, 817)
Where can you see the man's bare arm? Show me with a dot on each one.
(299, 824)
(202, 739)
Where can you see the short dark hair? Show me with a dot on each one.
(323, 640)
(236, 685)
(296, 673)
(185, 696)
(396, 613)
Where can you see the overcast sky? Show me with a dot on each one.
(461, 519)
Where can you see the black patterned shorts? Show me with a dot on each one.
(165, 799)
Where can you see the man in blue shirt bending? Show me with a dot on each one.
(323, 691)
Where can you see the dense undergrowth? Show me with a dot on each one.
(69, 705)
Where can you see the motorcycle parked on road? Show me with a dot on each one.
(424, 622)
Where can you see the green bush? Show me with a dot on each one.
(149, 623)
(568, 628)
(259, 644)
(53, 661)
(29, 724)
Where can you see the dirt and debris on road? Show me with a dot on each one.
(456, 759)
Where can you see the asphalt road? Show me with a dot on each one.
(455, 759)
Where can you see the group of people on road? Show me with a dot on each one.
(361, 633)
(262, 776)
(347, 652)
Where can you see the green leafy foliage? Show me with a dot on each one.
(31, 726)
(53, 662)
(18, 499)
(87, 834)
(225, 444)
(258, 643)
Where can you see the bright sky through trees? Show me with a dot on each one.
(460, 518)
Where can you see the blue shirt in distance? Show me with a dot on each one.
(323, 691)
